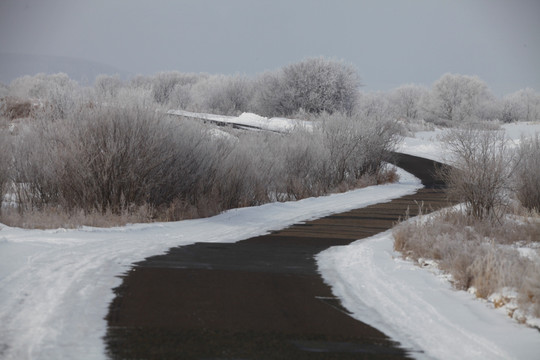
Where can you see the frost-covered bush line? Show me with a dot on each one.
(341, 153)
(314, 85)
(479, 254)
(309, 87)
(120, 159)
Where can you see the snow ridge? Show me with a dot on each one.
(418, 309)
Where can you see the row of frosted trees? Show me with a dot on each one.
(309, 87)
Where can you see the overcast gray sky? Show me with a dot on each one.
(391, 42)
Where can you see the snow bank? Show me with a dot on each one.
(249, 120)
(56, 285)
(418, 309)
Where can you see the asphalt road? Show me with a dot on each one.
(261, 298)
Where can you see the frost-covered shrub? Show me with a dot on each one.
(107, 87)
(134, 96)
(220, 94)
(356, 146)
(56, 93)
(163, 84)
(181, 97)
(375, 106)
(304, 160)
(108, 158)
(4, 165)
(481, 171)
(528, 172)
(245, 172)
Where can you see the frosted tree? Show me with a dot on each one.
(405, 101)
(57, 93)
(227, 95)
(481, 171)
(375, 106)
(314, 85)
(164, 83)
(457, 97)
(523, 105)
(106, 86)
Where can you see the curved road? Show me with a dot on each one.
(260, 298)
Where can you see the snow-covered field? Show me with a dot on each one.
(55, 285)
(428, 144)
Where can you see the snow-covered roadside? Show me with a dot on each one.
(419, 309)
(55, 285)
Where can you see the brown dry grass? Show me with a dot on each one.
(16, 108)
(55, 217)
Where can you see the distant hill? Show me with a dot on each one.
(85, 72)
